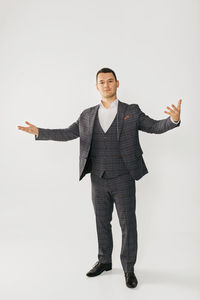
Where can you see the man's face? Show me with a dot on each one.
(106, 85)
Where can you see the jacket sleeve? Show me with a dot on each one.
(64, 135)
(149, 125)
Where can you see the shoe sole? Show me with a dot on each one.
(130, 286)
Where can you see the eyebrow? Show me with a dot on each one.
(108, 79)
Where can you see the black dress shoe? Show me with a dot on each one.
(131, 280)
(99, 268)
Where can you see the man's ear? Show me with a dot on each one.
(97, 86)
(117, 83)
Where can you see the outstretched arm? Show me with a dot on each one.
(65, 134)
(147, 124)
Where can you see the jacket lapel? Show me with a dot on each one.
(91, 120)
(121, 113)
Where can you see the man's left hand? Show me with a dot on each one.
(175, 112)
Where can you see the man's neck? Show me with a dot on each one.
(107, 101)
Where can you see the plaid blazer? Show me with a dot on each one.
(130, 119)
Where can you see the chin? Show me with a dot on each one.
(109, 95)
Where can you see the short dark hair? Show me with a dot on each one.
(106, 70)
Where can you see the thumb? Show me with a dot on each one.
(28, 123)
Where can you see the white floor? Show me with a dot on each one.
(51, 270)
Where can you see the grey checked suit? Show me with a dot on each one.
(115, 161)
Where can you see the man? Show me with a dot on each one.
(111, 152)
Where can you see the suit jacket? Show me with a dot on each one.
(130, 120)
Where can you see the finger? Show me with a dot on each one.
(171, 110)
(179, 104)
(167, 112)
(23, 128)
(29, 123)
(174, 107)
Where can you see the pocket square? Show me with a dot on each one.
(127, 117)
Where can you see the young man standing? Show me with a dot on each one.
(110, 151)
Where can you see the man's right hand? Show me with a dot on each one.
(31, 129)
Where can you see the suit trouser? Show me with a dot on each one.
(121, 191)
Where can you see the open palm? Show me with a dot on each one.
(31, 129)
(175, 112)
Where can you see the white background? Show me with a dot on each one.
(50, 52)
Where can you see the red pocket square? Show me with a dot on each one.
(127, 117)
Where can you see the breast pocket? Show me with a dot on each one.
(130, 125)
